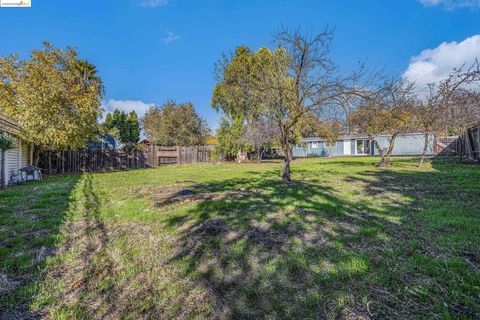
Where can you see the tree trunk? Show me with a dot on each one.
(425, 148)
(461, 147)
(286, 165)
(259, 155)
(241, 156)
(36, 156)
(63, 161)
(49, 162)
(2, 169)
(385, 156)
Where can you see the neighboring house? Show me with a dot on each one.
(18, 157)
(104, 141)
(359, 145)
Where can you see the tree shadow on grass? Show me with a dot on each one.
(306, 250)
(439, 260)
(270, 250)
(111, 269)
(31, 216)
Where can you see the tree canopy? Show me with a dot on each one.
(389, 110)
(283, 84)
(54, 96)
(175, 124)
(125, 126)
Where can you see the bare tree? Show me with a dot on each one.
(386, 111)
(284, 84)
(313, 82)
(260, 134)
(449, 103)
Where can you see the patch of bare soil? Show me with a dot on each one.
(188, 192)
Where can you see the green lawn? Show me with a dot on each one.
(345, 240)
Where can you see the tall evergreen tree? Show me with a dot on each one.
(109, 121)
(116, 118)
(134, 127)
(127, 125)
(123, 128)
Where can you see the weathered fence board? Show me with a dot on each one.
(88, 160)
(472, 143)
(447, 146)
(466, 145)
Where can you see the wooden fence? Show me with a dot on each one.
(466, 145)
(159, 155)
(88, 160)
(471, 144)
(447, 146)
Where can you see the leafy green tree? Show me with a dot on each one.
(124, 126)
(133, 127)
(230, 142)
(175, 124)
(116, 118)
(55, 102)
(108, 121)
(87, 75)
(284, 84)
(6, 143)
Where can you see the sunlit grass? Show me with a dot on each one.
(345, 239)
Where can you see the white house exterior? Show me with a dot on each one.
(18, 157)
(358, 145)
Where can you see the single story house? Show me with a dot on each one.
(359, 145)
(18, 157)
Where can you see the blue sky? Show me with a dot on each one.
(148, 51)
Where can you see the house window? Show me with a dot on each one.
(331, 145)
(363, 146)
(315, 145)
(299, 146)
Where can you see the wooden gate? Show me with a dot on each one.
(159, 155)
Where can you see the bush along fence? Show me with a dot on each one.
(90, 160)
(159, 155)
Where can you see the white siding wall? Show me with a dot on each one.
(13, 160)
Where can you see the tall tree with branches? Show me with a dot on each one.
(175, 124)
(284, 84)
(438, 107)
(386, 111)
(54, 96)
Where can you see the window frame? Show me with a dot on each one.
(363, 147)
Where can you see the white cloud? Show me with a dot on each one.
(451, 4)
(138, 106)
(153, 3)
(171, 37)
(432, 65)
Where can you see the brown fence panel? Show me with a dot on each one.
(472, 143)
(159, 155)
(447, 146)
(467, 145)
(88, 160)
